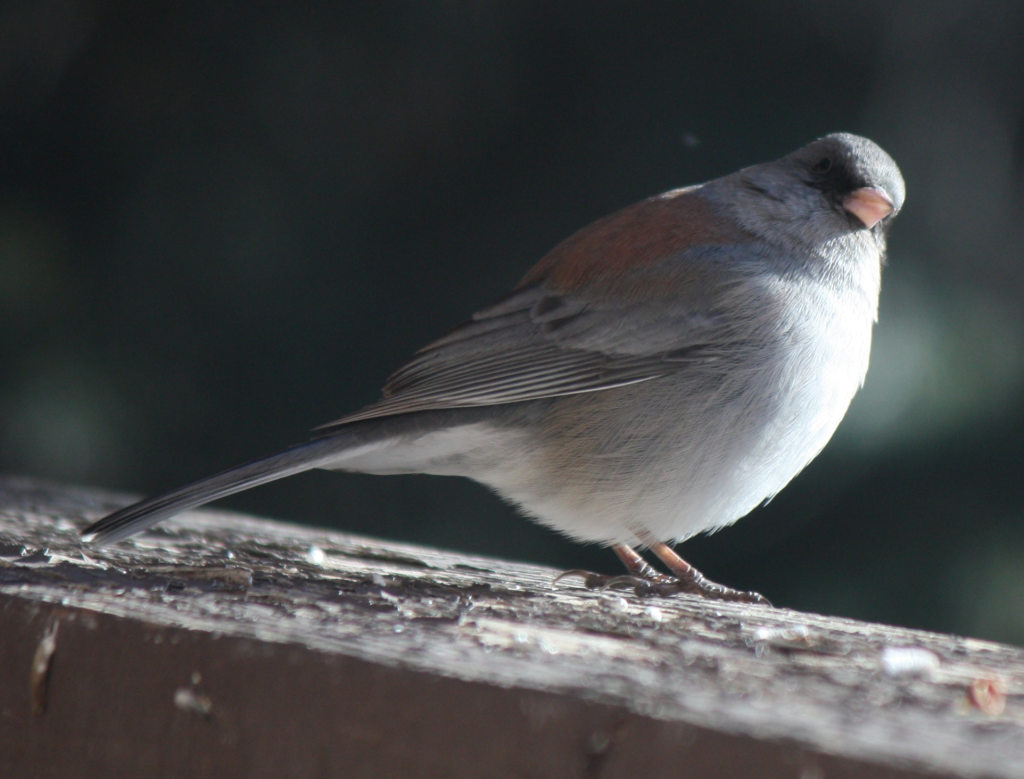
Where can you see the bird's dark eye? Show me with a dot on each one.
(824, 165)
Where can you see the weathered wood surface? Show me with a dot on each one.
(229, 646)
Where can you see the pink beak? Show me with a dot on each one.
(869, 205)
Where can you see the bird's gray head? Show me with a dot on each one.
(838, 185)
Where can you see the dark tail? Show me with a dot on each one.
(146, 513)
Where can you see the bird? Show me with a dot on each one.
(658, 374)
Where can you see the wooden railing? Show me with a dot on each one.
(223, 645)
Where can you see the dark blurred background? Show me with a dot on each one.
(224, 223)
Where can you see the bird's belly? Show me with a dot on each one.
(670, 458)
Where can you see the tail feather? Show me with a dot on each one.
(146, 513)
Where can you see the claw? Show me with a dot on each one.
(592, 581)
(600, 581)
(625, 581)
(570, 573)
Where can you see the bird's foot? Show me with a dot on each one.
(708, 589)
(660, 584)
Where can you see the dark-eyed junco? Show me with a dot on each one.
(658, 374)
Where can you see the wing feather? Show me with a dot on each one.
(632, 317)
